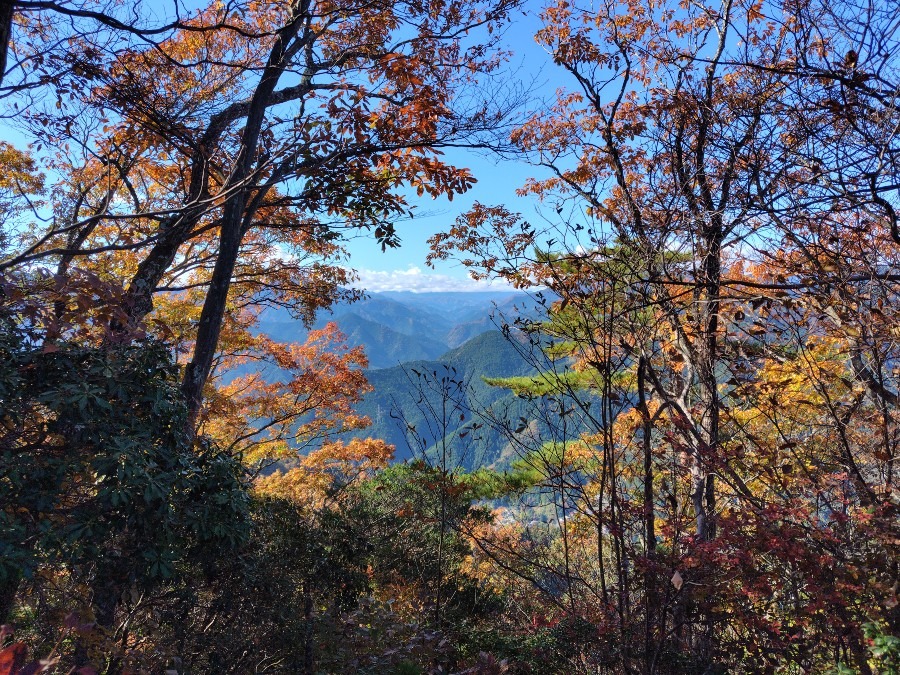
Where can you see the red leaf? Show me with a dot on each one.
(12, 658)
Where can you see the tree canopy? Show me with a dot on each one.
(700, 475)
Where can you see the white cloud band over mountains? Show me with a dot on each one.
(416, 280)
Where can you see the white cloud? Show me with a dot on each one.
(418, 281)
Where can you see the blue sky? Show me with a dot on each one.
(404, 268)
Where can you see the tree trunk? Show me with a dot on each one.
(106, 586)
(8, 590)
(309, 633)
(705, 457)
(649, 518)
(231, 231)
(212, 316)
(646, 431)
(706, 454)
(6, 17)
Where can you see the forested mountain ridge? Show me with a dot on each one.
(398, 327)
(401, 334)
(398, 392)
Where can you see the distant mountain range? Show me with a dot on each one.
(399, 326)
(421, 343)
(417, 405)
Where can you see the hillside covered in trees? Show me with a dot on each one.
(681, 458)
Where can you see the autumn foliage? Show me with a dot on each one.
(720, 277)
(706, 478)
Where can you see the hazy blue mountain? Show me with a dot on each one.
(455, 307)
(395, 327)
(402, 396)
(505, 311)
(400, 317)
(389, 331)
(418, 330)
(384, 346)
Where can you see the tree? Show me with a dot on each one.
(694, 153)
(84, 20)
(103, 488)
(295, 398)
(274, 125)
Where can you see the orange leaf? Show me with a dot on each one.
(12, 658)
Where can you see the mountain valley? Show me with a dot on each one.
(426, 350)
